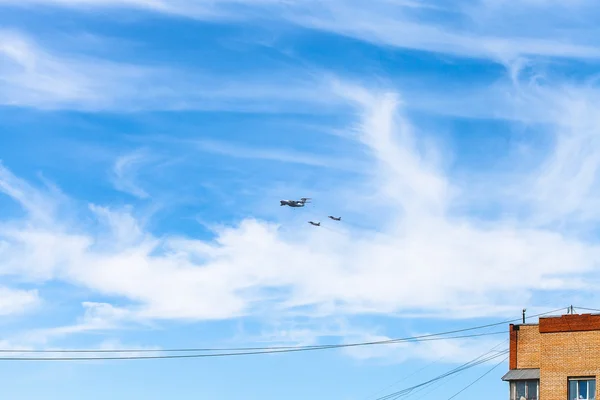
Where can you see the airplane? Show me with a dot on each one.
(295, 203)
(335, 219)
(314, 223)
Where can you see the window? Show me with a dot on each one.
(529, 390)
(582, 389)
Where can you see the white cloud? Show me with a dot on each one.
(425, 260)
(25, 347)
(14, 301)
(156, 5)
(97, 317)
(199, 9)
(383, 25)
(563, 189)
(410, 180)
(278, 155)
(570, 174)
(453, 351)
(32, 75)
(125, 171)
(315, 331)
(39, 208)
(488, 29)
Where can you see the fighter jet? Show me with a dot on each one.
(314, 223)
(295, 203)
(335, 219)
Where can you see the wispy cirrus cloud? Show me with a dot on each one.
(213, 9)
(333, 271)
(384, 24)
(125, 172)
(33, 76)
(39, 77)
(278, 155)
(34, 202)
(428, 255)
(468, 29)
(570, 174)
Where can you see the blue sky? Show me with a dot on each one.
(145, 145)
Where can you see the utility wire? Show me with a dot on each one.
(476, 380)
(230, 354)
(260, 350)
(409, 391)
(406, 393)
(470, 364)
(588, 309)
(442, 383)
(423, 368)
(245, 351)
(408, 376)
(237, 349)
(497, 365)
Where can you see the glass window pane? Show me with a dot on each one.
(532, 390)
(583, 389)
(573, 390)
(520, 389)
(592, 388)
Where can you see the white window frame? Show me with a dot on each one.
(588, 379)
(513, 388)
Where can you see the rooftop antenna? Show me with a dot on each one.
(524, 314)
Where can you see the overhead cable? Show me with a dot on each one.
(277, 349)
(476, 380)
(470, 364)
(240, 349)
(436, 385)
(228, 354)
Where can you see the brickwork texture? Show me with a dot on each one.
(528, 346)
(562, 348)
(567, 355)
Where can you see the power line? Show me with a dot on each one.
(423, 368)
(497, 365)
(470, 364)
(230, 354)
(476, 380)
(460, 368)
(315, 347)
(412, 390)
(408, 376)
(588, 309)
(442, 383)
(278, 349)
(408, 391)
(243, 351)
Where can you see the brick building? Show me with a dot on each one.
(556, 359)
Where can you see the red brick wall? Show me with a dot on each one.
(564, 355)
(528, 347)
(562, 347)
(512, 361)
(570, 323)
